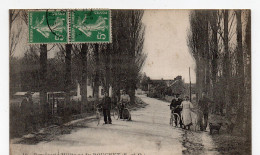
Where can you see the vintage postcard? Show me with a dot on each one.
(130, 82)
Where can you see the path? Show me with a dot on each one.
(148, 133)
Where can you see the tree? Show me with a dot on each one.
(214, 53)
(198, 44)
(127, 55)
(248, 77)
(43, 79)
(226, 69)
(68, 72)
(144, 81)
(135, 56)
(14, 35)
(97, 72)
(226, 55)
(241, 78)
(105, 66)
(84, 76)
(43, 57)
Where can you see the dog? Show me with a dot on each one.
(214, 126)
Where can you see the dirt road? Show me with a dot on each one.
(149, 132)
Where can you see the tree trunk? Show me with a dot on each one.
(226, 70)
(107, 68)
(132, 94)
(207, 56)
(43, 80)
(67, 73)
(202, 76)
(199, 77)
(83, 87)
(197, 80)
(67, 83)
(241, 77)
(214, 56)
(248, 79)
(96, 78)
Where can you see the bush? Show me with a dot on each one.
(40, 118)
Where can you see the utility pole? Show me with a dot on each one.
(190, 84)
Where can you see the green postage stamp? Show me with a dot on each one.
(90, 26)
(48, 27)
(69, 26)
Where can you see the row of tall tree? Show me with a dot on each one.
(220, 42)
(115, 64)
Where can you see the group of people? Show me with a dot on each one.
(181, 107)
(107, 105)
(184, 108)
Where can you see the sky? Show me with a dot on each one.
(166, 46)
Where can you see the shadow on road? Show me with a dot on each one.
(51, 133)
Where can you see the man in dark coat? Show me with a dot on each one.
(26, 111)
(106, 105)
(204, 107)
(175, 108)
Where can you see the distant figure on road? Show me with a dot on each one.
(175, 107)
(106, 105)
(186, 112)
(124, 99)
(204, 107)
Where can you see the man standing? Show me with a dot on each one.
(175, 108)
(26, 111)
(106, 104)
(204, 107)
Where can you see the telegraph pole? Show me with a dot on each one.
(190, 84)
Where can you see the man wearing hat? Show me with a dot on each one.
(106, 105)
(175, 107)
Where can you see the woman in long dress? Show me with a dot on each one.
(186, 112)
